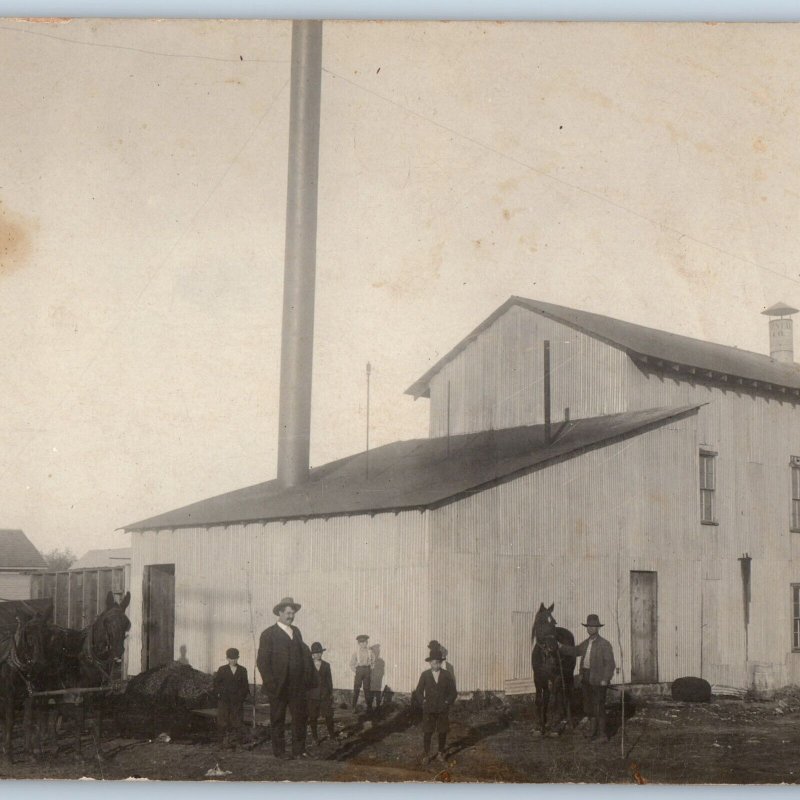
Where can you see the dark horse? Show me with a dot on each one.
(88, 658)
(552, 670)
(22, 662)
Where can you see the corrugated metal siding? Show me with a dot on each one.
(351, 574)
(497, 381)
(571, 534)
(754, 437)
(15, 586)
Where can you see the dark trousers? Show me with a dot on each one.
(320, 707)
(594, 703)
(229, 719)
(362, 679)
(296, 702)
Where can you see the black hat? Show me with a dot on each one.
(231, 652)
(362, 638)
(436, 655)
(433, 645)
(287, 601)
(316, 647)
(592, 621)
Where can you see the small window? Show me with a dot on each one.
(796, 617)
(708, 487)
(795, 466)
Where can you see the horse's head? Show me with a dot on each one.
(544, 624)
(109, 630)
(30, 641)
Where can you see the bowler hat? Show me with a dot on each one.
(592, 621)
(231, 652)
(287, 601)
(436, 655)
(316, 647)
(362, 638)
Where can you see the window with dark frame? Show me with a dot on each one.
(708, 487)
(796, 617)
(795, 469)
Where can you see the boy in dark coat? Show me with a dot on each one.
(436, 691)
(320, 698)
(231, 688)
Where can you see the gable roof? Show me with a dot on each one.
(95, 559)
(17, 552)
(642, 342)
(413, 474)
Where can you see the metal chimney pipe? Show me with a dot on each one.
(548, 432)
(297, 342)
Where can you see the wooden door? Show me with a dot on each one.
(522, 622)
(644, 627)
(159, 615)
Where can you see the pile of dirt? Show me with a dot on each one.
(173, 685)
(161, 700)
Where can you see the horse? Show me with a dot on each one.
(552, 669)
(88, 658)
(22, 663)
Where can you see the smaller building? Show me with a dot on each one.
(19, 559)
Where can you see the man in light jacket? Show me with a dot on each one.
(597, 667)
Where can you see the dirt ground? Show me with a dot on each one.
(725, 741)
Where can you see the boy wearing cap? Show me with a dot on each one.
(596, 670)
(320, 697)
(361, 663)
(436, 691)
(231, 689)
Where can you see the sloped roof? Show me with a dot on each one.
(418, 473)
(17, 552)
(95, 559)
(638, 340)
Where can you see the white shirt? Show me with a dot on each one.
(585, 661)
(435, 675)
(286, 629)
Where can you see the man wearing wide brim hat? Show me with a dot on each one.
(287, 671)
(596, 670)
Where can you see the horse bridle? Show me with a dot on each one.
(21, 666)
(99, 662)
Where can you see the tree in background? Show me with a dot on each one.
(58, 559)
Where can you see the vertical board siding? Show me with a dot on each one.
(352, 575)
(754, 436)
(571, 534)
(497, 380)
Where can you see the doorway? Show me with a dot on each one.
(644, 627)
(158, 637)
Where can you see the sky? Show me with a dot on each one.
(646, 172)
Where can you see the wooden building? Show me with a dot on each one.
(666, 499)
(19, 560)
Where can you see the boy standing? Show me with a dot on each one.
(231, 689)
(361, 663)
(320, 698)
(436, 691)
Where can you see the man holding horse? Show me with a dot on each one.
(596, 670)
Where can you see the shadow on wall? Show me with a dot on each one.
(377, 676)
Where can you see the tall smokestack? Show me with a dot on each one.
(297, 343)
(781, 333)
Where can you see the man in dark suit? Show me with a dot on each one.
(231, 688)
(284, 662)
(320, 697)
(596, 670)
(436, 691)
